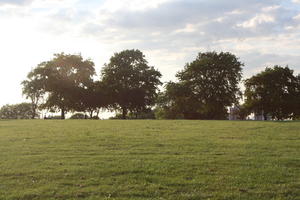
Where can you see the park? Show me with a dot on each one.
(149, 159)
(175, 143)
(149, 100)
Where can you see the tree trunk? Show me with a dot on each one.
(124, 113)
(33, 111)
(33, 115)
(62, 113)
(91, 114)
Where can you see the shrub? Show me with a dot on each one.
(78, 116)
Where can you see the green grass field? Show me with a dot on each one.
(86, 159)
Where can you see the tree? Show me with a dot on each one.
(63, 79)
(206, 87)
(8, 112)
(274, 92)
(131, 82)
(33, 91)
(175, 102)
(297, 99)
(94, 98)
(240, 112)
(17, 111)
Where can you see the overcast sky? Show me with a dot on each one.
(170, 33)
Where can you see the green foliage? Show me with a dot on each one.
(95, 117)
(78, 116)
(95, 98)
(17, 111)
(32, 90)
(243, 112)
(149, 159)
(166, 107)
(131, 82)
(206, 87)
(64, 80)
(296, 103)
(82, 116)
(274, 91)
(145, 114)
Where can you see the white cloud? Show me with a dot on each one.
(297, 17)
(271, 8)
(257, 20)
(15, 2)
(133, 5)
(189, 28)
(235, 12)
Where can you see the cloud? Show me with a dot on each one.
(257, 62)
(259, 31)
(190, 23)
(15, 2)
(257, 20)
(132, 5)
(297, 17)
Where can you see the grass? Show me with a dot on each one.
(72, 159)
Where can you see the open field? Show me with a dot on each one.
(86, 159)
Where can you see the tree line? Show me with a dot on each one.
(205, 88)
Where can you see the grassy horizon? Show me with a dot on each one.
(149, 159)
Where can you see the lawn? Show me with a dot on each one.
(151, 159)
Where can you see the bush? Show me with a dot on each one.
(95, 117)
(146, 114)
(17, 111)
(78, 116)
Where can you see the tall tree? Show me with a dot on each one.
(63, 79)
(273, 92)
(206, 86)
(131, 81)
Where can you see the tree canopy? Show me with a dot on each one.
(131, 82)
(275, 92)
(32, 90)
(93, 98)
(205, 87)
(63, 79)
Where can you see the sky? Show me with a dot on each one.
(169, 32)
